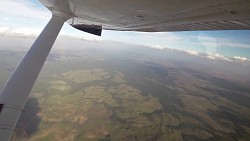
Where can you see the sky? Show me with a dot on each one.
(29, 17)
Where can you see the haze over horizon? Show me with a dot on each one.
(30, 17)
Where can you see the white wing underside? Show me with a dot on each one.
(157, 15)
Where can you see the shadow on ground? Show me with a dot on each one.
(29, 121)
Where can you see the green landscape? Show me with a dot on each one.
(118, 93)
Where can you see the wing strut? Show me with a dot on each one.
(16, 91)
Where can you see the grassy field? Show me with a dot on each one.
(133, 98)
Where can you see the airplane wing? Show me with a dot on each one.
(158, 15)
(93, 16)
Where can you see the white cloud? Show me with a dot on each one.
(22, 18)
(232, 44)
(95, 39)
(218, 57)
(33, 32)
(5, 19)
(86, 38)
(192, 52)
(154, 46)
(22, 9)
(208, 56)
(19, 32)
(4, 30)
(240, 58)
(202, 55)
(27, 31)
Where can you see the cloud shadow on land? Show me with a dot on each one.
(29, 120)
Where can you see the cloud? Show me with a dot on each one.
(22, 18)
(154, 47)
(202, 55)
(86, 38)
(218, 57)
(5, 19)
(189, 52)
(4, 30)
(20, 32)
(214, 42)
(208, 56)
(192, 52)
(24, 9)
(240, 58)
(232, 44)
(33, 32)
